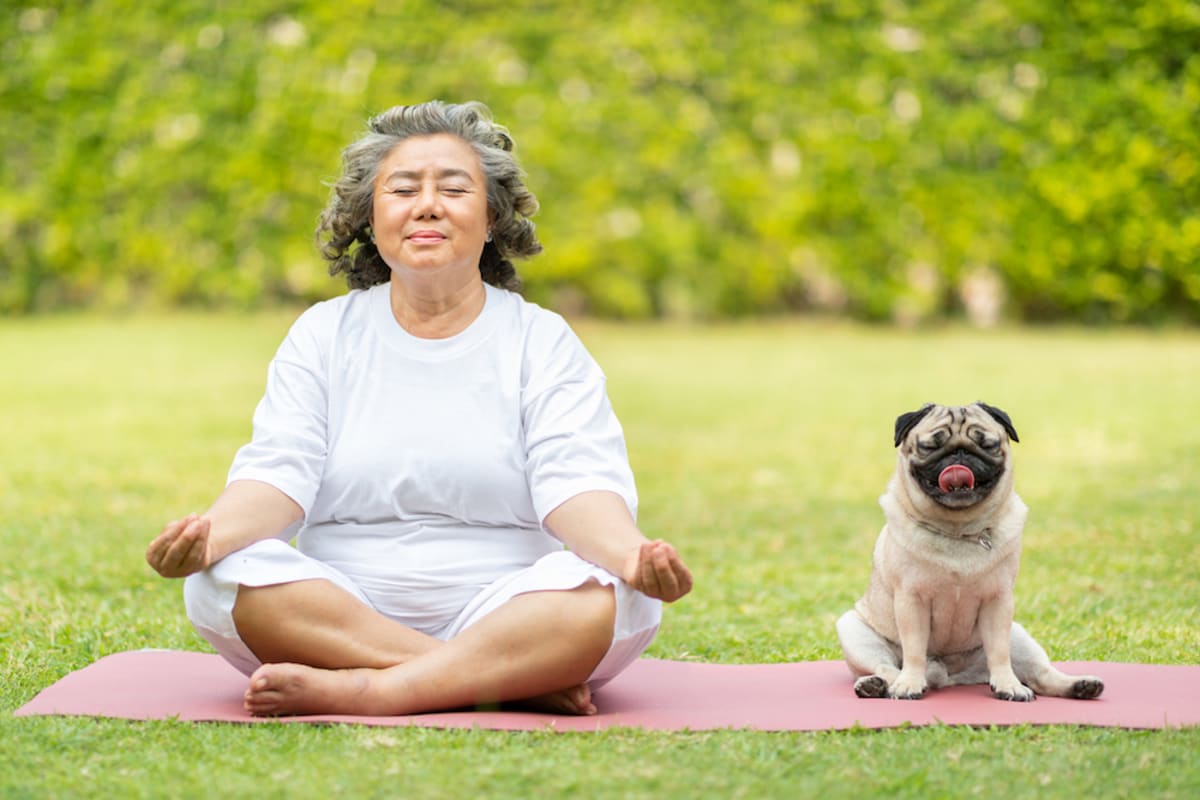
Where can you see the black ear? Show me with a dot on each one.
(906, 422)
(1002, 418)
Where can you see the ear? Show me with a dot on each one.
(1002, 418)
(906, 422)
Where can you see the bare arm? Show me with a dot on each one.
(597, 526)
(246, 512)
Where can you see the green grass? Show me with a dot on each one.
(760, 451)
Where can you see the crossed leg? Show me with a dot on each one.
(317, 623)
(539, 646)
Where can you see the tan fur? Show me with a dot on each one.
(939, 606)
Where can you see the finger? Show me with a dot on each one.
(196, 558)
(172, 547)
(650, 584)
(645, 575)
(161, 543)
(176, 555)
(667, 581)
(684, 577)
(680, 580)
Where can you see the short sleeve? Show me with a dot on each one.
(573, 440)
(290, 439)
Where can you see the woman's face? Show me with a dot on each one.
(430, 215)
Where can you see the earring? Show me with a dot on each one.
(489, 235)
(371, 235)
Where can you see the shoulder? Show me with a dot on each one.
(550, 351)
(528, 317)
(319, 324)
(328, 313)
(542, 332)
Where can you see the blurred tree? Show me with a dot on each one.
(885, 159)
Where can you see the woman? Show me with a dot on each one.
(433, 441)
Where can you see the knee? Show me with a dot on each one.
(202, 601)
(254, 606)
(594, 607)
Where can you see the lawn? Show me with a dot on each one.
(760, 451)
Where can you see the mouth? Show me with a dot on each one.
(957, 481)
(956, 478)
(426, 237)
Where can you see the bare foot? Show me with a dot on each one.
(279, 689)
(577, 701)
(282, 689)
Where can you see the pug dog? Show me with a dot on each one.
(938, 610)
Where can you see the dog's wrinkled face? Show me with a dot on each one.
(956, 455)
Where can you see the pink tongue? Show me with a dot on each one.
(956, 476)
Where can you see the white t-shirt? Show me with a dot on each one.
(425, 467)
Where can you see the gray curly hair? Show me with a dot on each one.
(344, 233)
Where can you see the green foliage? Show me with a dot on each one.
(760, 451)
(884, 159)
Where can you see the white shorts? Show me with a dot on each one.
(210, 595)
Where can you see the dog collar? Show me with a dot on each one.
(984, 537)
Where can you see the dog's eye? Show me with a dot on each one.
(986, 441)
(931, 441)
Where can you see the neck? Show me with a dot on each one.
(967, 533)
(433, 312)
(968, 529)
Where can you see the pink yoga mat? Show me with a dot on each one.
(654, 695)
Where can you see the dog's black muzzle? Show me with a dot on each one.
(987, 472)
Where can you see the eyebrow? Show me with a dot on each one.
(449, 172)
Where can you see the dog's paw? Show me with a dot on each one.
(904, 689)
(870, 686)
(1086, 688)
(1016, 692)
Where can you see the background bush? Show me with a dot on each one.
(888, 160)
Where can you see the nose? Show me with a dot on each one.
(429, 203)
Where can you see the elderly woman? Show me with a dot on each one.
(445, 454)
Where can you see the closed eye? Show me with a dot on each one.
(986, 441)
(932, 441)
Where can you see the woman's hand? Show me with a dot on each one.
(246, 512)
(182, 548)
(656, 570)
(597, 526)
